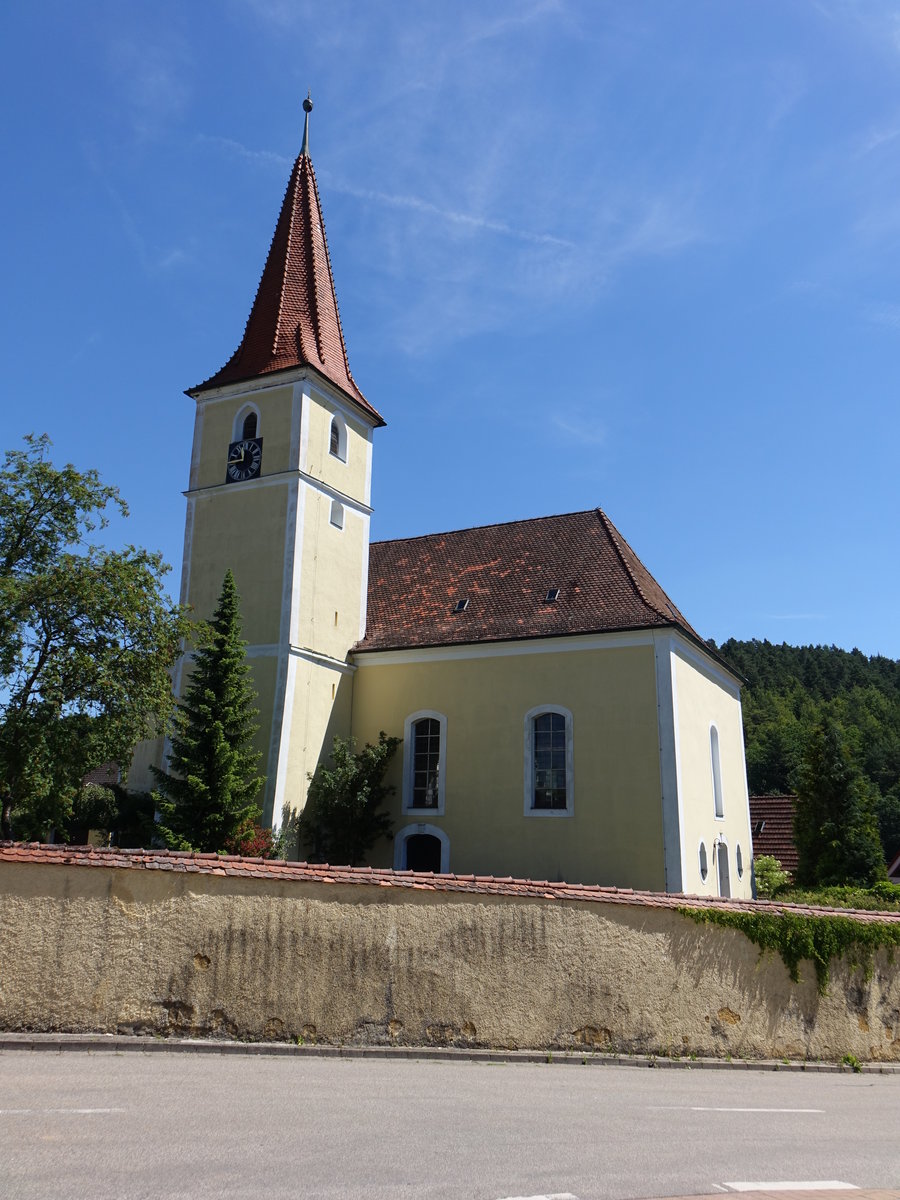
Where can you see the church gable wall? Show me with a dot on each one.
(704, 703)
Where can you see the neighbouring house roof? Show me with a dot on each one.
(505, 572)
(105, 775)
(772, 825)
(294, 321)
(277, 870)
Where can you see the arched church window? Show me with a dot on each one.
(718, 799)
(337, 439)
(424, 761)
(549, 755)
(249, 427)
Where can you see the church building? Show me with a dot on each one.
(560, 717)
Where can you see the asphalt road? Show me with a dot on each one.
(131, 1126)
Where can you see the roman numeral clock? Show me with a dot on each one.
(244, 460)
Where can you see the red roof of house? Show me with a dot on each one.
(295, 321)
(772, 825)
(506, 572)
(410, 881)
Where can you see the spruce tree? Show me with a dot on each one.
(209, 795)
(835, 826)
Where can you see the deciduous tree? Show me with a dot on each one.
(343, 817)
(87, 638)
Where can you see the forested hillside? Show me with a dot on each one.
(790, 689)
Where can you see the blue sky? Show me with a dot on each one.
(639, 255)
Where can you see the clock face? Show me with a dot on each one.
(244, 460)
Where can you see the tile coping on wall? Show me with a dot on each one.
(276, 870)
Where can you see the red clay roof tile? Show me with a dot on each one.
(506, 571)
(409, 881)
(295, 321)
(772, 825)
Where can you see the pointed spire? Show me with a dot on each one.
(295, 321)
(307, 108)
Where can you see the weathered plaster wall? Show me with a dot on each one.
(96, 948)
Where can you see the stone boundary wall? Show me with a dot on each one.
(158, 942)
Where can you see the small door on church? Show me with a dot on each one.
(724, 872)
(423, 853)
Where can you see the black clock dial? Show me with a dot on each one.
(244, 460)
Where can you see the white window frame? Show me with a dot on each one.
(715, 758)
(237, 429)
(409, 761)
(338, 422)
(408, 831)
(530, 810)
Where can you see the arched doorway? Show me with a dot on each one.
(423, 853)
(422, 847)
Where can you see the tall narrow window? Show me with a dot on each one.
(424, 760)
(249, 427)
(337, 514)
(716, 771)
(426, 763)
(337, 438)
(548, 761)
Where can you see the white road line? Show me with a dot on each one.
(18, 1112)
(710, 1108)
(805, 1185)
(544, 1196)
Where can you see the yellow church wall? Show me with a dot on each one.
(243, 528)
(348, 475)
(217, 432)
(701, 702)
(319, 709)
(614, 835)
(331, 577)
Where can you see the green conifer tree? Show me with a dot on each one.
(835, 826)
(209, 795)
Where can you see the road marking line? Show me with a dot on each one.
(17, 1112)
(805, 1185)
(544, 1196)
(710, 1108)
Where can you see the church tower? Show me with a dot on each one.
(279, 491)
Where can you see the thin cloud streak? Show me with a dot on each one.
(239, 150)
(416, 204)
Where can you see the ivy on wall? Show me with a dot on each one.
(799, 936)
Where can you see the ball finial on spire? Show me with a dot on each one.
(307, 108)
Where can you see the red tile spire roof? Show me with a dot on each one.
(508, 574)
(295, 321)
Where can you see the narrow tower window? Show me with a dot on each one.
(337, 439)
(337, 514)
(249, 427)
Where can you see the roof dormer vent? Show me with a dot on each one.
(461, 605)
(552, 594)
